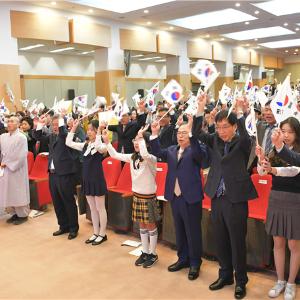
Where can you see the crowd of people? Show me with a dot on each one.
(213, 139)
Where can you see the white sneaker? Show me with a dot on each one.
(277, 289)
(290, 291)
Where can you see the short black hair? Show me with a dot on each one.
(223, 114)
(95, 124)
(268, 103)
(28, 120)
(164, 109)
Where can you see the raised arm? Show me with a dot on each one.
(154, 142)
(143, 148)
(111, 150)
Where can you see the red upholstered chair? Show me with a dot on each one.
(112, 170)
(161, 174)
(120, 201)
(39, 183)
(258, 207)
(115, 144)
(30, 161)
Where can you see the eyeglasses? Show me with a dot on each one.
(182, 133)
(288, 132)
(219, 128)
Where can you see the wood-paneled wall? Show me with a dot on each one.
(88, 33)
(10, 74)
(39, 26)
(143, 40)
(241, 56)
(199, 49)
(167, 44)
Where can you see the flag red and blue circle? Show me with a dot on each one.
(283, 103)
(175, 96)
(207, 71)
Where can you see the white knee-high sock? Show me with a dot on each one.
(153, 240)
(94, 214)
(144, 233)
(100, 204)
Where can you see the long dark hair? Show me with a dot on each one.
(136, 156)
(295, 126)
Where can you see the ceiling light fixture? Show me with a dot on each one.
(161, 60)
(32, 47)
(171, 27)
(146, 58)
(297, 28)
(212, 19)
(146, 11)
(149, 23)
(286, 51)
(61, 50)
(285, 24)
(256, 12)
(90, 11)
(53, 3)
(238, 4)
(279, 7)
(247, 23)
(258, 33)
(137, 55)
(207, 36)
(282, 44)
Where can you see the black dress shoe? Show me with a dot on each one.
(98, 241)
(72, 235)
(193, 273)
(12, 219)
(178, 266)
(60, 232)
(91, 239)
(20, 220)
(240, 292)
(220, 283)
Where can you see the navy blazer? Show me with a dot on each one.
(187, 169)
(291, 157)
(63, 157)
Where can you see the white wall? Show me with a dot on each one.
(55, 64)
(147, 70)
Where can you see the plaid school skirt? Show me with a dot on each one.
(145, 209)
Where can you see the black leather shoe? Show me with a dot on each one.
(220, 283)
(72, 235)
(193, 273)
(240, 292)
(12, 219)
(178, 266)
(60, 232)
(97, 241)
(20, 220)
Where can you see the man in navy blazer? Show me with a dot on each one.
(184, 191)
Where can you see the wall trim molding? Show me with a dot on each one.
(24, 76)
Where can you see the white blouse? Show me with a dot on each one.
(143, 178)
(92, 148)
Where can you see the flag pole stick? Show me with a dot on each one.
(165, 113)
(88, 115)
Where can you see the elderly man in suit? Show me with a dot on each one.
(62, 176)
(127, 130)
(184, 190)
(264, 133)
(230, 187)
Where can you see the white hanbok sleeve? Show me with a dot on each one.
(74, 145)
(144, 152)
(99, 145)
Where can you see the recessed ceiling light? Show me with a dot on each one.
(90, 11)
(286, 51)
(146, 11)
(257, 47)
(222, 39)
(258, 33)
(282, 44)
(256, 12)
(121, 6)
(285, 24)
(296, 50)
(255, 39)
(247, 23)
(207, 36)
(161, 60)
(53, 3)
(156, 57)
(247, 45)
(295, 53)
(211, 19)
(279, 7)
(137, 55)
(297, 28)
(31, 47)
(62, 49)
(238, 4)
(149, 23)
(171, 27)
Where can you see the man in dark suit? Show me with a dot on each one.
(184, 191)
(264, 133)
(127, 130)
(230, 187)
(62, 170)
(167, 128)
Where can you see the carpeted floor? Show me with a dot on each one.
(36, 265)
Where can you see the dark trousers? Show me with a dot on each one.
(187, 220)
(62, 192)
(230, 229)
